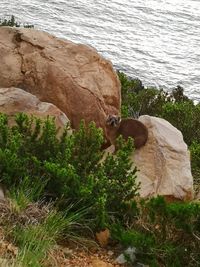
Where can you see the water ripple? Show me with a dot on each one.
(157, 41)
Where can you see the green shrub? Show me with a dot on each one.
(138, 100)
(195, 161)
(164, 234)
(175, 107)
(185, 117)
(11, 22)
(68, 168)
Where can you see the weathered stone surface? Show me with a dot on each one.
(164, 162)
(74, 77)
(128, 254)
(13, 100)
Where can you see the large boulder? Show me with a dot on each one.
(164, 162)
(74, 77)
(14, 100)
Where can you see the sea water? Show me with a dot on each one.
(157, 41)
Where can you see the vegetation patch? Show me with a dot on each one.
(11, 22)
(64, 188)
(172, 106)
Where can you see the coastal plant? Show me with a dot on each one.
(139, 100)
(105, 185)
(185, 117)
(28, 191)
(67, 168)
(164, 234)
(36, 240)
(117, 186)
(11, 22)
(31, 229)
(195, 162)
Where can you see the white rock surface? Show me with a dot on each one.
(164, 162)
(129, 254)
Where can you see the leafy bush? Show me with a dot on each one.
(195, 161)
(13, 23)
(185, 117)
(138, 100)
(68, 168)
(164, 234)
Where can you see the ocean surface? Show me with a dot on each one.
(157, 41)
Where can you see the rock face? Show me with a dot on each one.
(164, 162)
(13, 100)
(73, 77)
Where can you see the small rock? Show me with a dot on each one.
(127, 256)
(68, 252)
(110, 253)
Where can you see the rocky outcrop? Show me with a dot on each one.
(74, 77)
(13, 100)
(164, 162)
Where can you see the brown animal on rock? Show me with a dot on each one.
(127, 128)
